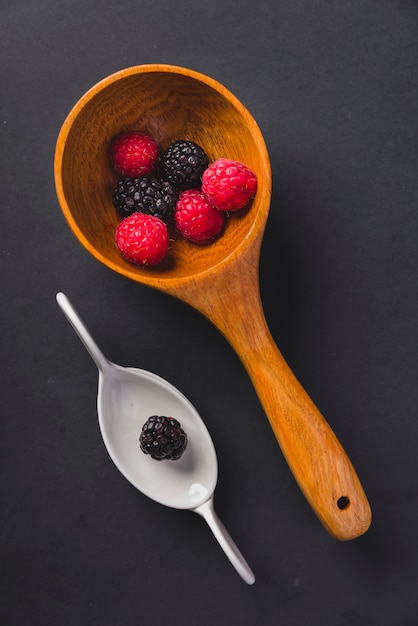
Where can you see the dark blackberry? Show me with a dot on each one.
(163, 438)
(183, 164)
(152, 196)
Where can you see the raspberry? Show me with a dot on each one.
(134, 154)
(163, 438)
(195, 216)
(229, 185)
(142, 239)
(183, 164)
(147, 195)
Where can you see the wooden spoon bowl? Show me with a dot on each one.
(168, 103)
(220, 279)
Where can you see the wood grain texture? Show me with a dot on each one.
(221, 279)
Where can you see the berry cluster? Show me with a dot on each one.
(180, 184)
(163, 438)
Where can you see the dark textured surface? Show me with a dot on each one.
(334, 88)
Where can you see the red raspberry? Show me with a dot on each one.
(195, 216)
(229, 185)
(142, 239)
(134, 154)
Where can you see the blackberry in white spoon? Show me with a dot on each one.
(163, 438)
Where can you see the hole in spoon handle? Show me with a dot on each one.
(81, 330)
(207, 511)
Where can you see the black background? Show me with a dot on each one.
(334, 88)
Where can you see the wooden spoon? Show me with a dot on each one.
(219, 280)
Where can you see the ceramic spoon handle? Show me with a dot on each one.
(81, 330)
(231, 300)
(207, 511)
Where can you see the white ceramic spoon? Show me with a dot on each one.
(126, 398)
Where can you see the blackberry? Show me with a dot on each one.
(183, 164)
(163, 438)
(152, 196)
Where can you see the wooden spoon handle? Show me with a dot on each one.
(316, 458)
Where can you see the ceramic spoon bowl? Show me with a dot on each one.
(219, 280)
